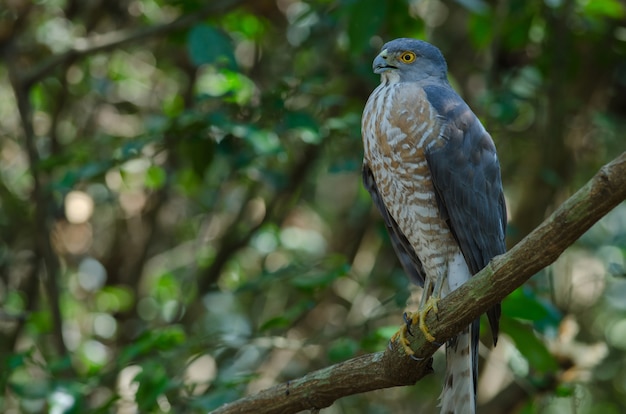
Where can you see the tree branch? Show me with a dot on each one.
(40, 197)
(504, 274)
(321, 388)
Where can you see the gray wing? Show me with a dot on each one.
(466, 176)
(405, 252)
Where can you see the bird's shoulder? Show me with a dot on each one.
(460, 126)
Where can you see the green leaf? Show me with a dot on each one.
(129, 150)
(207, 45)
(166, 287)
(312, 281)
(366, 18)
(114, 299)
(528, 408)
(565, 390)
(535, 351)
(298, 119)
(187, 181)
(163, 339)
(378, 340)
(173, 105)
(39, 322)
(288, 316)
(59, 365)
(306, 125)
(155, 177)
(31, 389)
(87, 172)
(55, 161)
(605, 8)
(522, 305)
(263, 141)
(342, 349)
(277, 322)
(13, 303)
(246, 24)
(153, 381)
(169, 337)
(37, 96)
(15, 361)
(481, 30)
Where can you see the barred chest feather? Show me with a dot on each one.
(398, 126)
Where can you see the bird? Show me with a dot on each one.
(433, 173)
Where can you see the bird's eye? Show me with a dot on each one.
(407, 57)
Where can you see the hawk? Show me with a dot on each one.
(432, 171)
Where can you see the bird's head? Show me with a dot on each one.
(410, 60)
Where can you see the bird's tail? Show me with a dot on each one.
(459, 391)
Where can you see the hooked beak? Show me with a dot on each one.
(380, 64)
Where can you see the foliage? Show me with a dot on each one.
(182, 217)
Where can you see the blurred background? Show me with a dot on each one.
(182, 220)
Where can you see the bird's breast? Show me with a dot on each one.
(399, 123)
(398, 127)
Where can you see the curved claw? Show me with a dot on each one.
(409, 320)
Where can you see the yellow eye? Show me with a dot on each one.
(407, 57)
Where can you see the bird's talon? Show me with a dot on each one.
(411, 319)
(401, 335)
(408, 321)
(414, 358)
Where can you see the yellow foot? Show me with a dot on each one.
(401, 336)
(418, 318)
(431, 304)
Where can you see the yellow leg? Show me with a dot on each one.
(431, 304)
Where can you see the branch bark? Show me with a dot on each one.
(504, 274)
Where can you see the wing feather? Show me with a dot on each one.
(466, 176)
